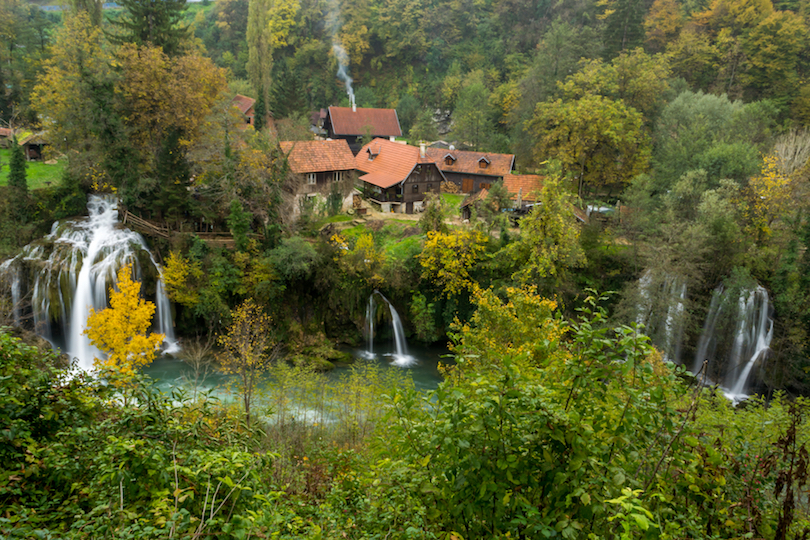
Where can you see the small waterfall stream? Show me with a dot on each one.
(401, 356)
(70, 270)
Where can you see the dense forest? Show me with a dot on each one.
(583, 398)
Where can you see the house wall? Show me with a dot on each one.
(475, 179)
(424, 179)
(323, 181)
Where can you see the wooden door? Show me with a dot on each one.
(467, 185)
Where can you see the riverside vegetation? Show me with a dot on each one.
(559, 418)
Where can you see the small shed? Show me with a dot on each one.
(34, 146)
(6, 136)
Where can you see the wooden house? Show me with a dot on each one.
(524, 189)
(397, 176)
(319, 163)
(472, 171)
(354, 123)
(246, 106)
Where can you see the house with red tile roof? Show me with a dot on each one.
(319, 163)
(472, 171)
(397, 176)
(354, 123)
(246, 106)
(523, 188)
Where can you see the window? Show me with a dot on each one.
(416, 188)
(485, 185)
(311, 178)
(483, 164)
(338, 176)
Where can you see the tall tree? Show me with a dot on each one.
(600, 140)
(153, 22)
(18, 182)
(472, 118)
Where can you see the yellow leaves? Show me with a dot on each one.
(447, 259)
(245, 345)
(769, 196)
(523, 326)
(180, 279)
(280, 19)
(121, 330)
(162, 94)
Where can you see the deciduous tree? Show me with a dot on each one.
(598, 139)
(448, 259)
(122, 330)
(248, 349)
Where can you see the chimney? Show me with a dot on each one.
(422, 149)
(354, 105)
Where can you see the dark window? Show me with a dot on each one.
(483, 164)
(448, 160)
(416, 188)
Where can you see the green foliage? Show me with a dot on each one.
(434, 215)
(17, 182)
(155, 23)
(239, 223)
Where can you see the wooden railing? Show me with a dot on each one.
(144, 226)
(151, 228)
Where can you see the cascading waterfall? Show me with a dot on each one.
(71, 269)
(737, 335)
(661, 310)
(401, 357)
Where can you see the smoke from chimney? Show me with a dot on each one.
(343, 66)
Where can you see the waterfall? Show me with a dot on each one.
(661, 309)
(737, 334)
(707, 344)
(401, 356)
(71, 270)
(752, 341)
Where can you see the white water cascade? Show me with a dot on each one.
(401, 356)
(737, 335)
(70, 270)
(661, 310)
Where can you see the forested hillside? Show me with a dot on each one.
(660, 265)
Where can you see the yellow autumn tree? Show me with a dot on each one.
(522, 326)
(122, 330)
(447, 259)
(248, 349)
(769, 196)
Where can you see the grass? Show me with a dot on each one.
(39, 174)
(453, 199)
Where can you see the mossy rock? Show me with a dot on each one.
(340, 357)
(317, 363)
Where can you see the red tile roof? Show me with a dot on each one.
(383, 122)
(318, 156)
(6, 132)
(393, 162)
(527, 185)
(243, 103)
(466, 162)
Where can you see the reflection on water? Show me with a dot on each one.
(422, 365)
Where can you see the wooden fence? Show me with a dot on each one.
(151, 228)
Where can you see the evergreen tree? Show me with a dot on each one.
(18, 182)
(260, 111)
(157, 22)
(173, 173)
